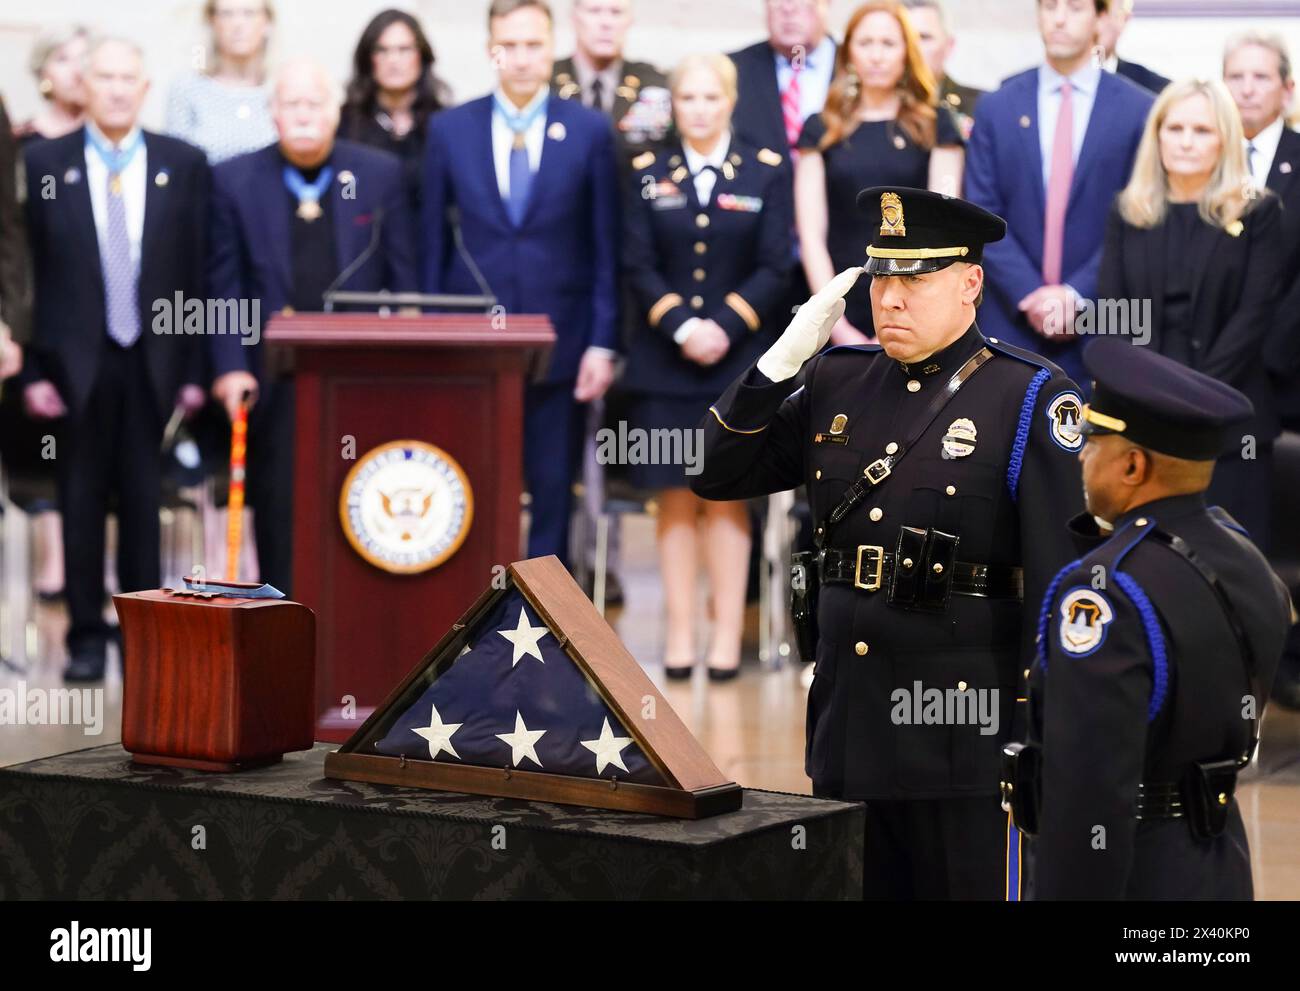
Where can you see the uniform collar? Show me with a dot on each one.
(695, 161)
(949, 359)
(1165, 510)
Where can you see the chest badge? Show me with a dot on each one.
(839, 423)
(836, 435)
(1085, 614)
(959, 441)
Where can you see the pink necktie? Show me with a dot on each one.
(790, 108)
(1058, 189)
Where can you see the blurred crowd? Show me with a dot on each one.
(666, 219)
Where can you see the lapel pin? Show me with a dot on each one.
(1285, 168)
(161, 179)
(556, 132)
(1025, 121)
(900, 142)
(72, 176)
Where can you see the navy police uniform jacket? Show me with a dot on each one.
(727, 262)
(1138, 676)
(997, 468)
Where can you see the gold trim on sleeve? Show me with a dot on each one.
(665, 303)
(738, 303)
(725, 426)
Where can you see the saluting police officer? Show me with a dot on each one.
(1158, 648)
(940, 471)
(707, 235)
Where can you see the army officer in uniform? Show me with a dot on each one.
(707, 256)
(940, 519)
(1158, 648)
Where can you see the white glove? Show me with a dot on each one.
(809, 330)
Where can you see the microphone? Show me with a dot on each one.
(453, 219)
(375, 229)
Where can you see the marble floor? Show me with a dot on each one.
(753, 726)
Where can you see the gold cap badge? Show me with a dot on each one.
(892, 221)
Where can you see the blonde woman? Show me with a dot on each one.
(223, 106)
(1191, 234)
(880, 127)
(707, 250)
(56, 64)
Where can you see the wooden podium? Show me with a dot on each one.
(366, 381)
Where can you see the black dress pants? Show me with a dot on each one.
(109, 460)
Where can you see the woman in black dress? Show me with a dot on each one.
(882, 126)
(393, 91)
(707, 251)
(1191, 236)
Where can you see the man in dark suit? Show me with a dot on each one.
(931, 23)
(1049, 151)
(532, 183)
(1111, 28)
(286, 222)
(116, 217)
(782, 80)
(1257, 71)
(634, 95)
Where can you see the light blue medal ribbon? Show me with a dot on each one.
(519, 120)
(307, 193)
(115, 159)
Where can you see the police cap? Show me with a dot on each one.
(1160, 404)
(915, 231)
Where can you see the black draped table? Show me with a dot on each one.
(92, 825)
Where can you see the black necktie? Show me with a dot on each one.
(596, 95)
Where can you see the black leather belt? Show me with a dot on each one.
(870, 568)
(1156, 800)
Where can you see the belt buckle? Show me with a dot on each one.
(878, 471)
(872, 584)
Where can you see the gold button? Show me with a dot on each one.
(877, 515)
(892, 448)
(820, 530)
(700, 275)
(1143, 521)
(907, 564)
(701, 220)
(697, 302)
(951, 490)
(819, 473)
(701, 247)
(913, 385)
(1026, 672)
(938, 569)
(1223, 799)
(861, 648)
(961, 686)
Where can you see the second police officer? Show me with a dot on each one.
(941, 470)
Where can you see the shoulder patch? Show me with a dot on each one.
(1065, 420)
(644, 160)
(1085, 615)
(768, 157)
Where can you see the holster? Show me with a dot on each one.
(923, 561)
(1208, 788)
(1021, 785)
(805, 588)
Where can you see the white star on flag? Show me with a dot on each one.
(438, 734)
(524, 638)
(522, 740)
(608, 748)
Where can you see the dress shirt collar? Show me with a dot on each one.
(812, 60)
(1084, 80)
(1266, 142)
(609, 77)
(695, 161)
(504, 107)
